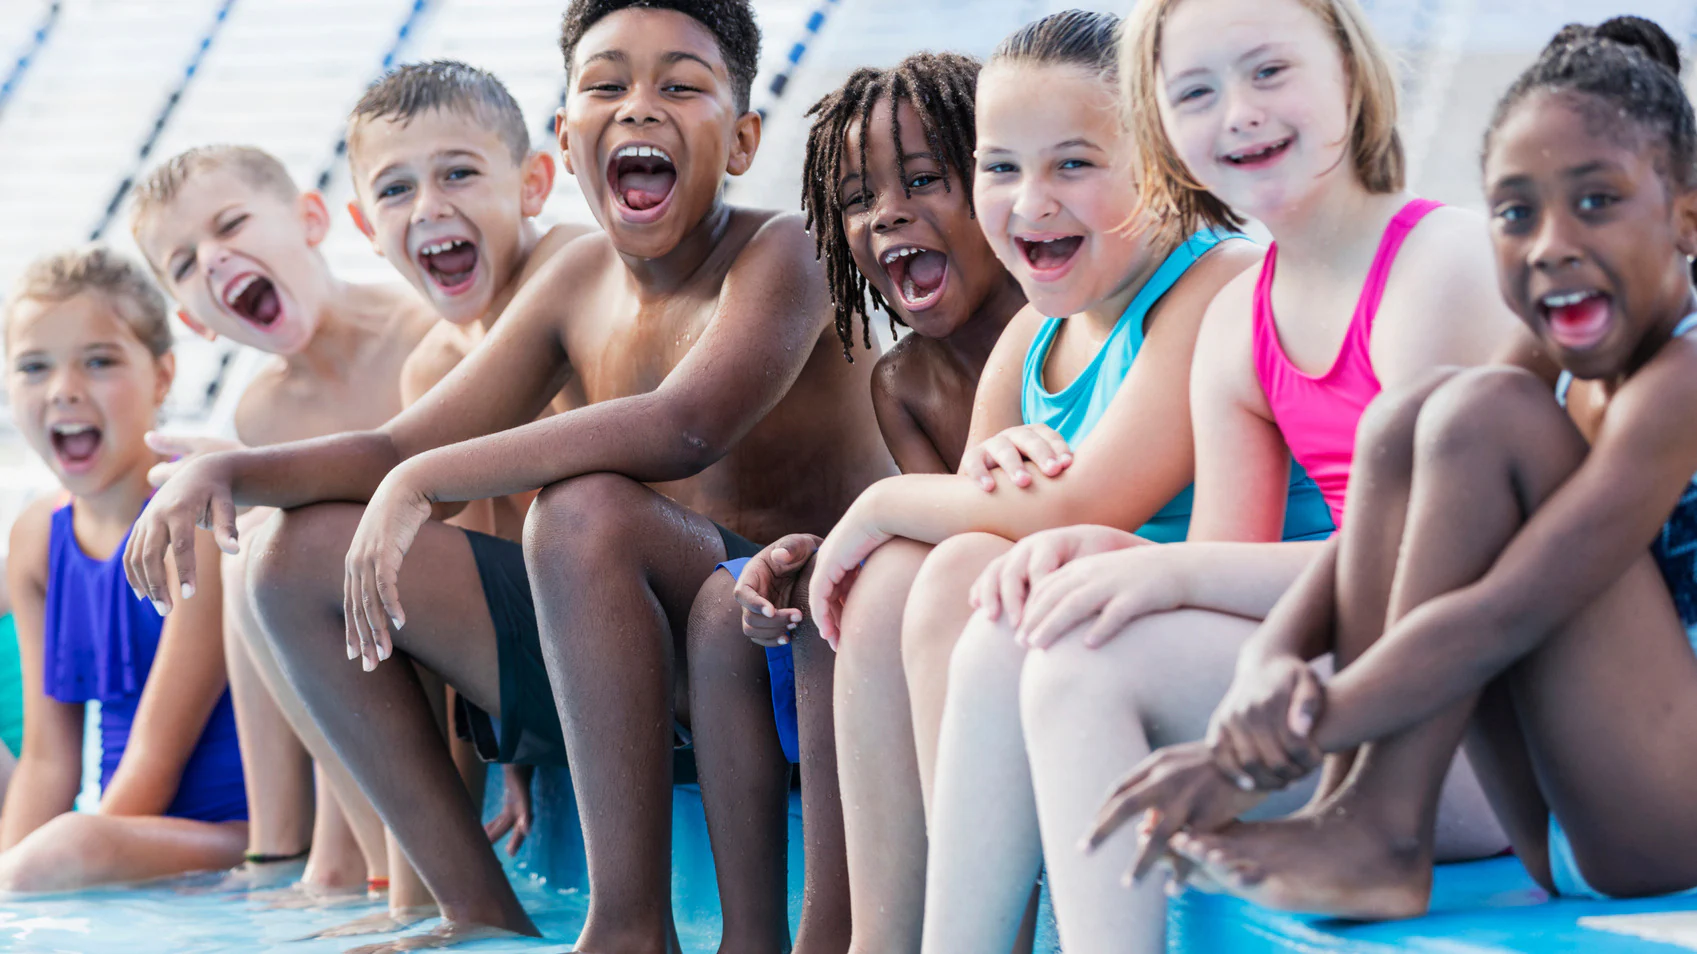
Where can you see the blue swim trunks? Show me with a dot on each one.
(780, 665)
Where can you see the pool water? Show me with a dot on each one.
(548, 875)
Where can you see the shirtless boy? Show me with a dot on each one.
(701, 336)
(236, 243)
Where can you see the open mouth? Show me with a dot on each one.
(918, 274)
(450, 263)
(1260, 155)
(75, 444)
(253, 298)
(642, 178)
(1577, 319)
(1049, 257)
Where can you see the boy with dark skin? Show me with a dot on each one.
(890, 204)
(699, 334)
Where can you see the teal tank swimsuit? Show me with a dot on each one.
(1074, 411)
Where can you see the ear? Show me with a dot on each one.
(364, 225)
(560, 137)
(537, 183)
(745, 142)
(199, 329)
(315, 215)
(166, 366)
(1685, 222)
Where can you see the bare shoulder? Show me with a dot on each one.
(898, 368)
(775, 240)
(441, 349)
(1442, 304)
(1226, 265)
(1451, 242)
(27, 559)
(1229, 311)
(554, 242)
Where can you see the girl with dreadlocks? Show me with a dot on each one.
(888, 196)
(1102, 358)
(1545, 543)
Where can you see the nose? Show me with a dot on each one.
(1553, 243)
(1033, 201)
(65, 388)
(891, 211)
(430, 203)
(638, 108)
(1243, 112)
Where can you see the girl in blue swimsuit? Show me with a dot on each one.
(1545, 578)
(88, 363)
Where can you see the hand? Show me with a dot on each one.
(767, 587)
(1100, 595)
(370, 600)
(1009, 451)
(198, 496)
(1004, 584)
(179, 450)
(1179, 787)
(516, 815)
(1261, 732)
(837, 563)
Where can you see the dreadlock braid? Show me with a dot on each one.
(940, 88)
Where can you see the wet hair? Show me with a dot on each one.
(97, 268)
(939, 87)
(1631, 66)
(730, 21)
(416, 88)
(1172, 194)
(1081, 38)
(164, 182)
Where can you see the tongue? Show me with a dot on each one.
(455, 261)
(266, 306)
(78, 447)
(925, 270)
(1580, 323)
(645, 190)
(1052, 254)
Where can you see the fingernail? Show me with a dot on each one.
(383, 652)
(352, 651)
(790, 627)
(767, 612)
(188, 591)
(1245, 783)
(160, 607)
(397, 623)
(783, 640)
(987, 483)
(1049, 463)
(781, 553)
(367, 664)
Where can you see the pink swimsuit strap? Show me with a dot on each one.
(1318, 415)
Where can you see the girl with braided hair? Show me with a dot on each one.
(888, 194)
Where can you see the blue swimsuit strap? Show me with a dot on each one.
(1566, 380)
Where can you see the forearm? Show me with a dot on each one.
(342, 467)
(1436, 656)
(637, 437)
(39, 792)
(1300, 621)
(1243, 579)
(140, 787)
(930, 508)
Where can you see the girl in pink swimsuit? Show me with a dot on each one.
(1257, 108)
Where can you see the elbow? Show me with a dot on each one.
(697, 441)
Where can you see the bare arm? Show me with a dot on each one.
(184, 685)
(50, 769)
(1609, 510)
(912, 449)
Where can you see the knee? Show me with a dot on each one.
(1069, 677)
(63, 851)
(1388, 424)
(715, 618)
(941, 590)
(297, 556)
(591, 512)
(1479, 407)
(986, 660)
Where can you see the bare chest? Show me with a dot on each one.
(630, 350)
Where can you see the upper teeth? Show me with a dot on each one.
(903, 252)
(241, 285)
(642, 152)
(1563, 301)
(1047, 241)
(69, 430)
(441, 247)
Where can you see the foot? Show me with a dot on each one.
(446, 934)
(247, 878)
(303, 896)
(381, 922)
(1336, 862)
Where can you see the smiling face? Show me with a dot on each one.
(919, 246)
(84, 389)
(1591, 239)
(1255, 100)
(442, 198)
(239, 259)
(1054, 183)
(650, 127)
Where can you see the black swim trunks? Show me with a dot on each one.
(527, 729)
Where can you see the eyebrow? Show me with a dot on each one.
(438, 155)
(674, 56)
(1252, 54)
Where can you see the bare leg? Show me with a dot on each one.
(380, 722)
(615, 569)
(1492, 446)
(883, 807)
(744, 775)
(83, 850)
(826, 916)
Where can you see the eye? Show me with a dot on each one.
(31, 366)
(1069, 165)
(1512, 213)
(392, 190)
(459, 173)
(1596, 201)
(230, 227)
(100, 362)
(858, 199)
(605, 88)
(1269, 71)
(181, 271)
(923, 179)
(1191, 95)
(1000, 168)
(681, 88)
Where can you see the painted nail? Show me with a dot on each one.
(383, 652)
(367, 664)
(397, 623)
(188, 591)
(160, 607)
(766, 612)
(352, 650)
(1245, 783)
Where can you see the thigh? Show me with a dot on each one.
(449, 629)
(78, 850)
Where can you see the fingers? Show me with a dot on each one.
(1116, 615)
(169, 445)
(1059, 449)
(1040, 561)
(975, 465)
(1008, 457)
(985, 595)
(1128, 801)
(792, 552)
(1037, 447)
(159, 473)
(771, 632)
(499, 825)
(1058, 606)
(1306, 701)
(825, 603)
(1152, 843)
(223, 522)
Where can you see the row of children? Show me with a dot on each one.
(1099, 556)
